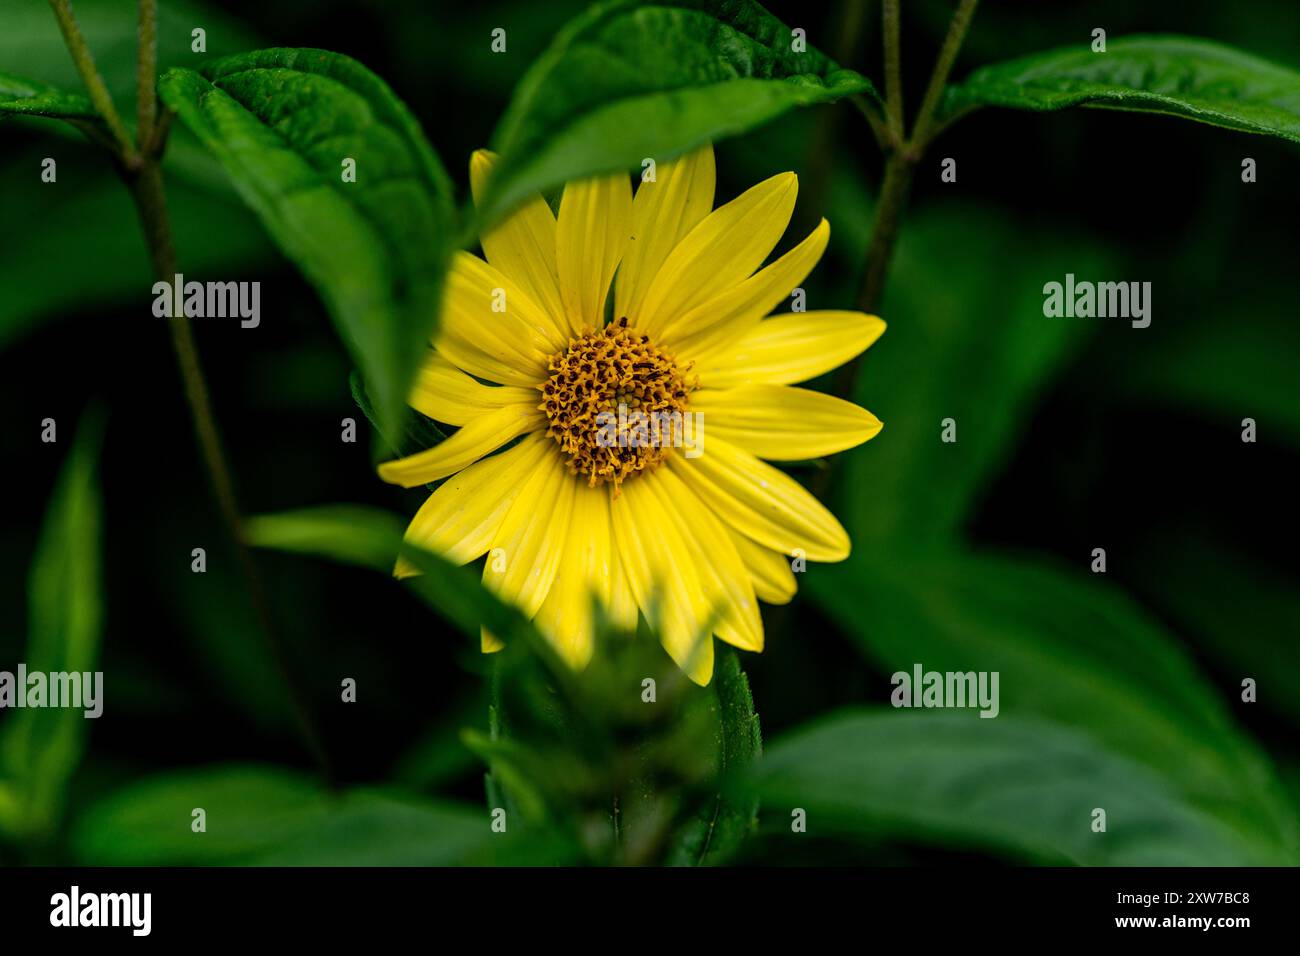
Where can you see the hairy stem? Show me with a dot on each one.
(146, 75)
(151, 204)
(143, 174)
(898, 172)
(942, 67)
(893, 69)
(880, 251)
(94, 83)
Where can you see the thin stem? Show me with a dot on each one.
(893, 69)
(893, 197)
(151, 203)
(898, 179)
(94, 83)
(880, 251)
(942, 67)
(146, 75)
(143, 174)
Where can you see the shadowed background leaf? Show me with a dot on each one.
(1013, 784)
(41, 747)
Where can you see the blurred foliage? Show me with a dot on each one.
(1016, 784)
(41, 747)
(1119, 691)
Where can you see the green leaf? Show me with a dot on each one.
(25, 97)
(258, 815)
(1068, 648)
(1178, 76)
(728, 818)
(40, 748)
(372, 538)
(283, 122)
(1014, 784)
(626, 81)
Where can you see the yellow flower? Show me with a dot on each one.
(584, 505)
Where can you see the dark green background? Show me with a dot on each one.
(1127, 439)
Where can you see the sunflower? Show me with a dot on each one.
(608, 490)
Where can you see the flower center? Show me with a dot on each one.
(614, 403)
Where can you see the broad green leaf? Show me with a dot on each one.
(1068, 648)
(259, 815)
(26, 97)
(626, 81)
(372, 538)
(40, 748)
(964, 344)
(374, 828)
(1019, 785)
(247, 810)
(283, 122)
(1178, 76)
(728, 818)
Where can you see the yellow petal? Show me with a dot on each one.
(522, 245)
(720, 322)
(527, 547)
(722, 251)
(652, 554)
(786, 349)
(593, 231)
(781, 423)
(584, 576)
(773, 579)
(663, 212)
(623, 609)
(478, 437)
(445, 393)
(511, 346)
(710, 556)
(460, 518)
(762, 502)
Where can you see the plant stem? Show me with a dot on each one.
(893, 69)
(94, 83)
(898, 171)
(151, 204)
(880, 251)
(142, 172)
(942, 67)
(893, 198)
(146, 75)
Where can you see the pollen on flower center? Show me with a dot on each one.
(611, 401)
